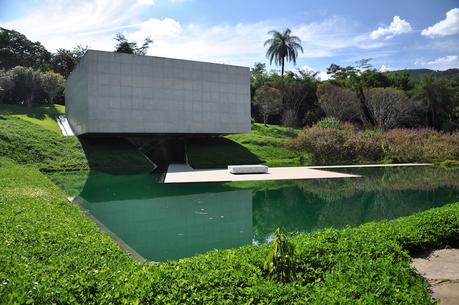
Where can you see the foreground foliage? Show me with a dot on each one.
(51, 253)
(343, 143)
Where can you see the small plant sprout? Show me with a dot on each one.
(280, 264)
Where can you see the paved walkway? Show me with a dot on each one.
(182, 173)
(441, 270)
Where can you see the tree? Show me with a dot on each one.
(6, 86)
(298, 97)
(439, 96)
(51, 83)
(64, 61)
(124, 46)
(338, 102)
(268, 100)
(282, 47)
(26, 82)
(390, 107)
(350, 77)
(400, 80)
(17, 50)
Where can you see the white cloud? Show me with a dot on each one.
(448, 26)
(323, 75)
(385, 68)
(397, 26)
(441, 63)
(64, 23)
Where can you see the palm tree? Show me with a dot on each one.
(283, 46)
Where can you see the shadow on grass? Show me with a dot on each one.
(217, 152)
(39, 112)
(115, 155)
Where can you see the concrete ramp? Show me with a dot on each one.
(182, 173)
(64, 126)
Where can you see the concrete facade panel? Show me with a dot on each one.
(123, 93)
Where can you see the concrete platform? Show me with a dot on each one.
(182, 173)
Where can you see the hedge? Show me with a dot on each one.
(51, 253)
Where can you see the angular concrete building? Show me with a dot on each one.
(114, 93)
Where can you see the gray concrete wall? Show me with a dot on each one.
(76, 91)
(145, 94)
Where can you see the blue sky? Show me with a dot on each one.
(395, 34)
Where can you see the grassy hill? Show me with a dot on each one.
(43, 116)
(264, 144)
(32, 136)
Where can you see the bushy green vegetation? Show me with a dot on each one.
(359, 94)
(52, 253)
(26, 86)
(347, 144)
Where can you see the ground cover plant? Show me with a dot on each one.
(344, 143)
(52, 253)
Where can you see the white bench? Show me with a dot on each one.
(248, 169)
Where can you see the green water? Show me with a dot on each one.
(171, 221)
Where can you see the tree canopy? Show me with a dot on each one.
(125, 46)
(283, 47)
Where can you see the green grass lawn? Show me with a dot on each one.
(264, 144)
(43, 116)
(51, 253)
(267, 142)
(32, 143)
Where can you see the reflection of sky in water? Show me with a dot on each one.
(169, 221)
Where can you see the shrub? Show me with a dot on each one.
(328, 123)
(421, 145)
(326, 144)
(348, 144)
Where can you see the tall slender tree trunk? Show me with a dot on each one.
(283, 63)
(29, 101)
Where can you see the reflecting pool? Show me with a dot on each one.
(171, 221)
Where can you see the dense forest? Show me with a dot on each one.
(360, 94)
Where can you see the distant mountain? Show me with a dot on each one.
(417, 73)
